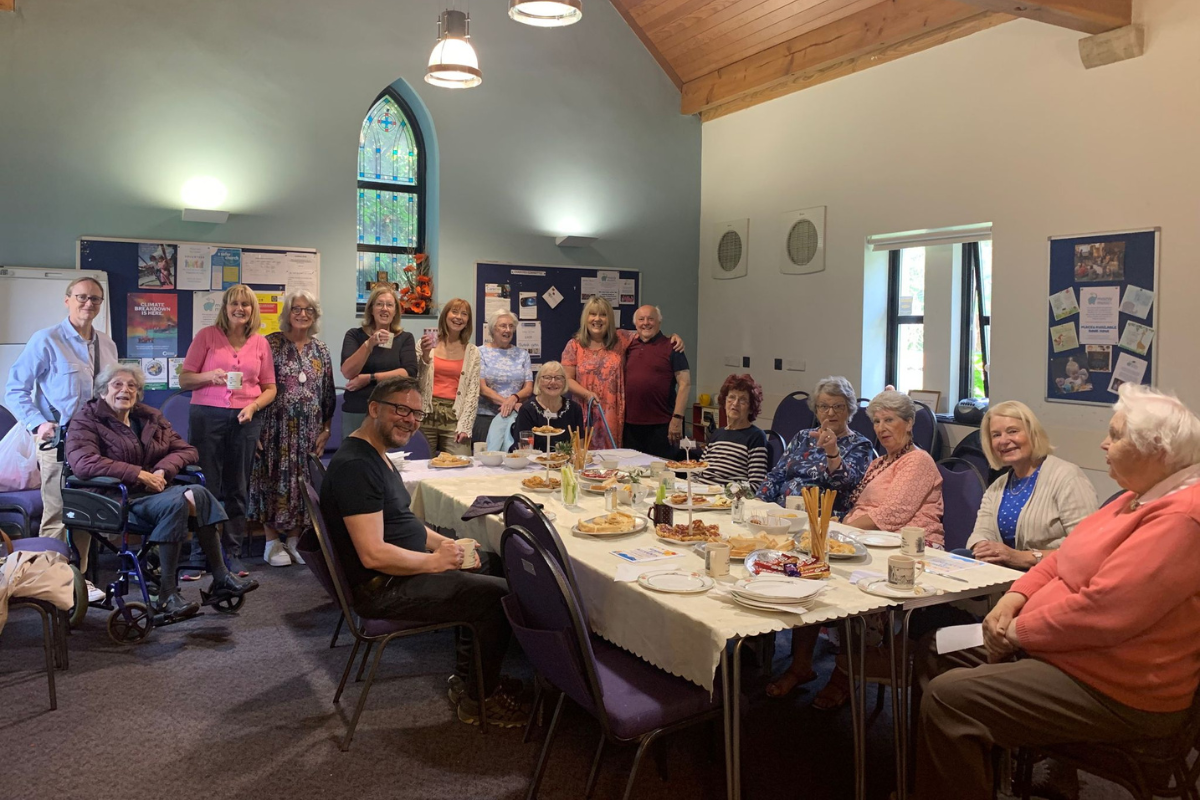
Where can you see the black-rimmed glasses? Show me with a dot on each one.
(84, 299)
(403, 411)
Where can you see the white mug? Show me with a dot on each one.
(912, 541)
(716, 559)
(903, 572)
(609, 463)
(233, 380)
(388, 341)
(480, 448)
(470, 553)
(794, 502)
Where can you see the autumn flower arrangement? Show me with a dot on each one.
(416, 290)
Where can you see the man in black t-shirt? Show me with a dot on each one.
(400, 569)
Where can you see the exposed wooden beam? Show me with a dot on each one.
(836, 47)
(840, 69)
(625, 12)
(1088, 16)
(6, 5)
(1109, 48)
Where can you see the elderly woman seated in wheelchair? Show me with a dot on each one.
(117, 444)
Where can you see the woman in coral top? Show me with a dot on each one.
(1100, 642)
(231, 374)
(449, 368)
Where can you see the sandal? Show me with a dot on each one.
(835, 694)
(786, 683)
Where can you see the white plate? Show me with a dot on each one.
(701, 507)
(687, 469)
(674, 581)
(540, 491)
(748, 603)
(705, 488)
(876, 539)
(879, 587)
(677, 543)
(639, 526)
(779, 589)
(448, 466)
(621, 474)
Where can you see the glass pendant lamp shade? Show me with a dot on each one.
(453, 63)
(546, 13)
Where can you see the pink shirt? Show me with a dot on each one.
(211, 350)
(909, 492)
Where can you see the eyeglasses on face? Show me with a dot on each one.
(836, 408)
(84, 299)
(403, 411)
(307, 312)
(552, 379)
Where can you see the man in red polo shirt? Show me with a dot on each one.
(657, 382)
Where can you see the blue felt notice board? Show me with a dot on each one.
(1103, 315)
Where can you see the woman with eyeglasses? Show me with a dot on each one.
(550, 405)
(293, 428)
(830, 456)
(737, 452)
(231, 375)
(505, 381)
(374, 351)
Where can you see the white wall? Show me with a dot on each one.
(1004, 127)
(107, 108)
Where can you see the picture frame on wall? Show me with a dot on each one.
(930, 397)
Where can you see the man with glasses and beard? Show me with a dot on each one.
(400, 569)
(51, 380)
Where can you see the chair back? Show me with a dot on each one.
(335, 427)
(970, 449)
(316, 473)
(7, 420)
(1118, 493)
(962, 492)
(338, 586)
(418, 447)
(861, 423)
(176, 408)
(925, 430)
(793, 415)
(546, 618)
(520, 510)
(775, 447)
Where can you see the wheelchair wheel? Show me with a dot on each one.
(229, 605)
(134, 629)
(79, 610)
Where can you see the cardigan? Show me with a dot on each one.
(908, 491)
(1062, 497)
(1117, 606)
(466, 400)
(99, 446)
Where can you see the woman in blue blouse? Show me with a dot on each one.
(505, 378)
(830, 456)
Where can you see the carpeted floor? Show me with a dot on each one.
(240, 706)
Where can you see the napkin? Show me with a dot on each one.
(486, 504)
(866, 575)
(959, 637)
(629, 573)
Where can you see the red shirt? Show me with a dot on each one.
(1118, 605)
(650, 369)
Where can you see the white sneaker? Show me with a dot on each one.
(276, 554)
(94, 595)
(293, 553)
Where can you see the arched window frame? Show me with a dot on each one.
(420, 189)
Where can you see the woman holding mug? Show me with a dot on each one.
(449, 367)
(505, 380)
(231, 375)
(376, 350)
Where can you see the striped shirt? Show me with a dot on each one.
(739, 455)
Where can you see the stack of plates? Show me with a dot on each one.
(771, 591)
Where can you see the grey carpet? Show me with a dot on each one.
(240, 706)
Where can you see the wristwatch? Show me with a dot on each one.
(677, 416)
(373, 378)
(1037, 557)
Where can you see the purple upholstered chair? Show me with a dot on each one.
(176, 408)
(372, 631)
(418, 447)
(634, 701)
(793, 415)
(962, 492)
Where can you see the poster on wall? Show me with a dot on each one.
(269, 306)
(194, 270)
(156, 266)
(152, 322)
(1098, 314)
(205, 307)
(226, 267)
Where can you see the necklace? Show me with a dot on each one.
(1017, 485)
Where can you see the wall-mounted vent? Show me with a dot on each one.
(729, 249)
(803, 244)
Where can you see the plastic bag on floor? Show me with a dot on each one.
(18, 461)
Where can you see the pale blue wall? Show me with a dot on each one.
(106, 108)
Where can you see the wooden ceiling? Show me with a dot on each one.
(725, 55)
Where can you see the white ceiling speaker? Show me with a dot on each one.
(728, 249)
(803, 242)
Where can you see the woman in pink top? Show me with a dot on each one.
(231, 374)
(1100, 642)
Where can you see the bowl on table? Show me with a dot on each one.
(516, 460)
(773, 525)
(491, 458)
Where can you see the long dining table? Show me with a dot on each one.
(696, 637)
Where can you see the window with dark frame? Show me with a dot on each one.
(391, 193)
(976, 336)
(904, 364)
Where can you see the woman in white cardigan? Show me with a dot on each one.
(449, 373)
(1028, 511)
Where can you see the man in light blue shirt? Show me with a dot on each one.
(51, 380)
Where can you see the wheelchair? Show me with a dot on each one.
(100, 506)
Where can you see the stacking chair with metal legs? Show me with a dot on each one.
(55, 624)
(371, 631)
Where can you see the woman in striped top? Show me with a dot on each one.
(737, 452)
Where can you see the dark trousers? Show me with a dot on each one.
(454, 596)
(649, 439)
(166, 513)
(226, 449)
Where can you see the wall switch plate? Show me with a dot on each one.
(795, 365)
(731, 361)
(779, 363)
(746, 362)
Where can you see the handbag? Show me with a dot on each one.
(18, 461)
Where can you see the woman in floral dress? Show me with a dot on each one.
(293, 428)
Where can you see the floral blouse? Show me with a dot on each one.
(602, 372)
(506, 370)
(805, 464)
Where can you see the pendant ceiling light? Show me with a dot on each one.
(546, 13)
(453, 63)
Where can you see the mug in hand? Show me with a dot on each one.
(388, 339)
(233, 380)
(432, 333)
(903, 572)
(470, 549)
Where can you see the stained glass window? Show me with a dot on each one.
(391, 192)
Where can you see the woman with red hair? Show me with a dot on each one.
(737, 452)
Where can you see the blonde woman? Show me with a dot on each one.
(1027, 512)
(450, 369)
(231, 374)
(378, 349)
